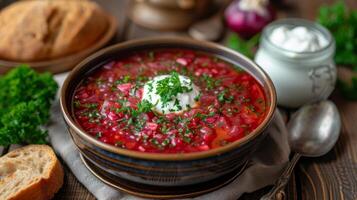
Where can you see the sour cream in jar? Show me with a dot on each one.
(297, 39)
(298, 56)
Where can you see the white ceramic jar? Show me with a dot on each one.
(299, 77)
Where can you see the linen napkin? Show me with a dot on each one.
(266, 164)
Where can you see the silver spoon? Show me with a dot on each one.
(312, 132)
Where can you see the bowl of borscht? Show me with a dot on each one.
(167, 112)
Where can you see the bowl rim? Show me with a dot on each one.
(166, 156)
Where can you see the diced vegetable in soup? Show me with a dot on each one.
(169, 101)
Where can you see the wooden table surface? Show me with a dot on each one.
(333, 176)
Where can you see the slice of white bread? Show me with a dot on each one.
(32, 172)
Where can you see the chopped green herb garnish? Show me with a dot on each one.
(198, 97)
(165, 142)
(168, 88)
(93, 114)
(251, 108)
(186, 139)
(125, 79)
(177, 104)
(98, 135)
(161, 119)
(144, 106)
(151, 87)
(139, 124)
(223, 98)
(155, 142)
(209, 81)
(164, 129)
(91, 105)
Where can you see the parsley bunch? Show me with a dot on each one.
(25, 101)
(343, 25)
(246, 47)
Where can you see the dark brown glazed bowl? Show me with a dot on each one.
(159, 168)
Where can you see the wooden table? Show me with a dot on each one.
(333, 176)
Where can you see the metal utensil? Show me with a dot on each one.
(312, 132)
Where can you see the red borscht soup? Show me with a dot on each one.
(169, 101)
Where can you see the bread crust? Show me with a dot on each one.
(43, 29)
(42, 188)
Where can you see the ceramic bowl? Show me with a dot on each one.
(168, 15)
(162, 169)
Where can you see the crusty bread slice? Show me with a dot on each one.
(44, 30)
(32, 172)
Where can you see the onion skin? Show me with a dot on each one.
(247, 23)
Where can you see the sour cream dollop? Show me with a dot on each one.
(176, 103)
(298, 39)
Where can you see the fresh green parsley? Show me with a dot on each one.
(198, 97)
(246, 47)
(209, 81)
(144, 106)
(224, 98)
(169, 87)
(342, 22)
(25, 102)
(135, 118)
(186, 139)
(125, 79)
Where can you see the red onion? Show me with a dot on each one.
(248, 17)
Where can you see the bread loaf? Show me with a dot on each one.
(31, 172)
(46, 29)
